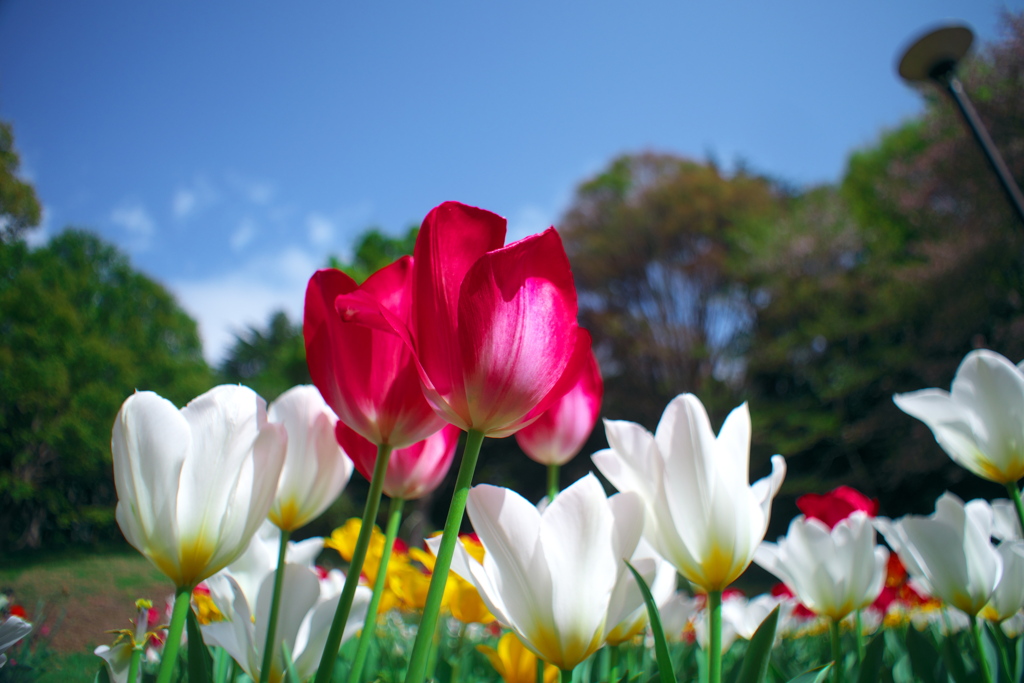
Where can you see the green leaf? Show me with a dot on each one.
(222, 665)
(872, 663)
(1018, 649)
(922, 656)
(290, 674)
(660, 644)
(952, 655)
(759, 651)
(200, 664)
(1003, 648)
(102, 676)
(818, 675)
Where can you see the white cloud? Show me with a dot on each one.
(193, 198)
(243, 234)
(184, 203)
(321, 229)
(228, 304)
(133, 217)
(259, 192)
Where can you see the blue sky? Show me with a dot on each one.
(230, 147)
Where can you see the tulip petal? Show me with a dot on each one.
(453, 236)
(151, 441)
(509, 529)
(365, 367)
(300, 590)
(517, 332)
(576, 517)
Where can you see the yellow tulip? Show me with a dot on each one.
(516, 664)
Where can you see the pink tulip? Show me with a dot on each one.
(560, 432)
(365, 375)
(413, 471)
(493, 327)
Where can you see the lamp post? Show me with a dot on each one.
(933, 58)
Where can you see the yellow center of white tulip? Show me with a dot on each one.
(192, 564)
(286, 515)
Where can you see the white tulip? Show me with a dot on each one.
(702, 514)
(260, 559)
(194, 485)
(316, 469)
(307, 609)
(834, 572)
(678, 612)
(12, 630)
(627, 612)
(980, 423)
(1008, 597)
(1006, 521)
(550, 576)
(949, 553)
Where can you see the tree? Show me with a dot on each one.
(651, 242)
(79, 331)
(19, 207)
(374, 250)
(882, 285)
(269, 361)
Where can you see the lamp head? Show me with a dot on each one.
(935, 55)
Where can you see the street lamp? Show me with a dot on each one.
(933, 58)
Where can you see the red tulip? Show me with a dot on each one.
(560, 432)
(493, 328)
(365, 375)
(836, 505)
(413, 471)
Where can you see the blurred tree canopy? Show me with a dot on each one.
(80, 331)
(374, 250)
(652, 241)
(815, 306)
(269, 361)
(19, 206)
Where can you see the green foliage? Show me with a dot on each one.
(814, 306)
(269, 361)
(374, 250)
(80, 331)
(19, 206)
(651, 240)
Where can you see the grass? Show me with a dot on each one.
(80, 596)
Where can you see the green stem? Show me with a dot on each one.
(858, 626)
(457, 653)
(424, 637)
(567, 675)
(605, 667)
(837, 652)
(614, 663)
(986, 672)
(1014, 492)
(133, 664)
(552, 483)
(369, 626)
(275, 605)
(715, 645)
(540, 670)
(326, 670)
(435, 649)
(182, 597)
